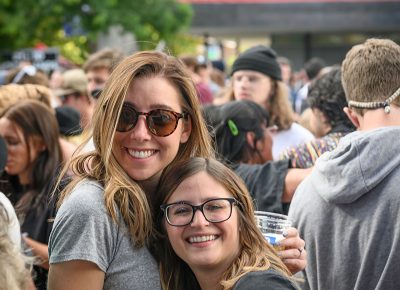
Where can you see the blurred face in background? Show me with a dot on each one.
(319, 124)
(264, 146)
(96, 79)
(21, 153)
(251, 85)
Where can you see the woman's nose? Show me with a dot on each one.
(199, 219)
(140, 131)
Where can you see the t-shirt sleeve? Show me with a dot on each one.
(82, 229)
(264, 280)
(268, 181)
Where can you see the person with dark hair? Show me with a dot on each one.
(219, 246)
(329, 122)
(34, 158)
(348, 209)
(256, 76)
(312, 69)
(244, 143)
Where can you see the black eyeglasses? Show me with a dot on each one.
(160, 122)
(215, 210)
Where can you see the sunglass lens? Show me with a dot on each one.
(162, 122)
(127, 119)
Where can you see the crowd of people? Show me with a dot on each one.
(144, 171)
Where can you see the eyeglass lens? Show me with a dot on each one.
(216, 210)
(160, 122)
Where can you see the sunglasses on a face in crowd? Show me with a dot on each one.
(160, 122)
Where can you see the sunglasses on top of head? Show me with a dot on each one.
(160, 122)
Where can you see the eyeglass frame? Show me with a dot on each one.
(177, 115)
(232, 202)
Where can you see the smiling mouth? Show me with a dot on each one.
(141, 154)
(202, 239)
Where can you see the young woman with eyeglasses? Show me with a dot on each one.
(207, 236)
(147, 118)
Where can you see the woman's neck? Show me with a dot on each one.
(149, 186)
(208, 279)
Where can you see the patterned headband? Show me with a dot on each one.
(375, 105)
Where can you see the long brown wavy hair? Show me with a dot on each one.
(37, 122)
(255, 253)
(120, 191)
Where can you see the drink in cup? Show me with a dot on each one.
(272, 226)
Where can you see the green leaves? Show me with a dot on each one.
(25, 23)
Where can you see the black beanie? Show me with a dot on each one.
(261, 59)
(68, 121)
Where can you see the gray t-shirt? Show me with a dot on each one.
(83, 230)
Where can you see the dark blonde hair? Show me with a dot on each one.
(107, 58)
(14, 274)
(120, 190)
(13, 93)
(371, 71)
(38, 77)
(255, 253)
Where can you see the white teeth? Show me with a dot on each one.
(141, 154)
(201, 239)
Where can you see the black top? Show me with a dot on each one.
(265, 183)
(264, 280)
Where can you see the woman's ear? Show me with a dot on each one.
(186, 130)
(250, 137)
(353, 116)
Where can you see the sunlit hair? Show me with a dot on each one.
(255, 253)
(27, 75)
(278, 105)
(13, 93)
(13, 275)
(38, 124)
(371, 71)
(120, 190)
(106, 58)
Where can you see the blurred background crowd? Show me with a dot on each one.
(285, 56)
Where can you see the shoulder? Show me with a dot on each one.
(13, 226)
(264, 280)
(86, 195)
(266, 168)
(85, 204)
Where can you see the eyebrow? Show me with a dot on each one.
(153, 106)
(202, 201)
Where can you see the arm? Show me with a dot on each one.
(39, 250)
(293, 178)
(294, 256)
(77, 274)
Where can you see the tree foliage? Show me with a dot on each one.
(78, 23)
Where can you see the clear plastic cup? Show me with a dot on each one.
(272, 226)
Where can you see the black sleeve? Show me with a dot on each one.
(264, 280)
(265, 183)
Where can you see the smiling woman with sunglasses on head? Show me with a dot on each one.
(207, 237)
(147, 117)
